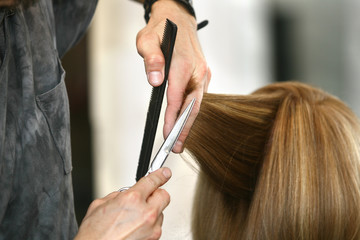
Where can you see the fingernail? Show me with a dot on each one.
(179, 144)
(166, 172)
(155, 78)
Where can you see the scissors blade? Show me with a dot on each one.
(170, 141)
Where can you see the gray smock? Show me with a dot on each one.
(36, 196)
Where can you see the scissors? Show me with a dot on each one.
(169, 143)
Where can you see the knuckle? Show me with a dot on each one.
(151, 216)
(202, 70)
(154, 60)
(139, 42)
(165, 195)
(140, 34)
(141, 37)
(157, 232)
(94, 204)
(132, 196)
(152, 181)
(209, 74)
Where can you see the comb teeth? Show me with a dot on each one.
(157, 95)
(167, 44)
(165, 33)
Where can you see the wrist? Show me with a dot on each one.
(184, 5)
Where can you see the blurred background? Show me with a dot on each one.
(247, 44)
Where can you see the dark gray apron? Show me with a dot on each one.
(36, 196)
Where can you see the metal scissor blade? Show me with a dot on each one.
(170, 141)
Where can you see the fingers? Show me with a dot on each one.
(180, 93)
(159, 198)
(126, 215)
(156, 200)
(148, 45)
(148, 184)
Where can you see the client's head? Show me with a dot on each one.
(281, 163)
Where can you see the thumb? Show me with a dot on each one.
(148, 46)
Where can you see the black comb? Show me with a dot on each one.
(157, 96)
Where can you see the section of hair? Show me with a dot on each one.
(231, 131)
(281, 163)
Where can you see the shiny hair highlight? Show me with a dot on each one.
(281, 163)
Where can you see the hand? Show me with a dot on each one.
(133, 214)
(189, 74)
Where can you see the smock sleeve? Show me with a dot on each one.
(72, 18)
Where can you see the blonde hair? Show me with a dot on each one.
(281, 163)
